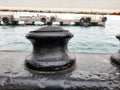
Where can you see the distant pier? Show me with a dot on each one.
(49, 20)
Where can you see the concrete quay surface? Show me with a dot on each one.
(93, 71)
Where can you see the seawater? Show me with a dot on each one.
(95, 39)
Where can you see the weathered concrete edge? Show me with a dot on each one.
(71, 52)
(20, 83)
(36, 83)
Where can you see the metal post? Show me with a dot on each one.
(50, 52)
(115, 58)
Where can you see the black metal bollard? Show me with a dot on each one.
(50, 52)
(115, 58)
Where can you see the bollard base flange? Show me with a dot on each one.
(53, 65)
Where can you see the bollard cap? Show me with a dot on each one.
(49, 31)
(50, 28)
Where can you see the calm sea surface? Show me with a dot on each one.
(94, 39)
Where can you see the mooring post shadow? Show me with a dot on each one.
(50, 52)
(115, 58)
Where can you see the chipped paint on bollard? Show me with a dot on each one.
(50, 52)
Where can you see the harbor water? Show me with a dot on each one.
(95, 39)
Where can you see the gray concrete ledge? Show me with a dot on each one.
(93, 71)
